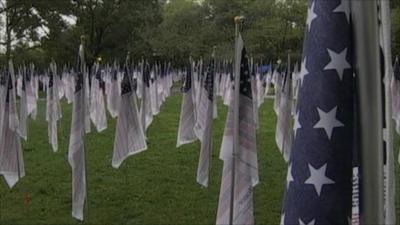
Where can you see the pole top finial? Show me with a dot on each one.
(239, 19)
(83, 39)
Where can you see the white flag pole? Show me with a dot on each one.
(370, 118)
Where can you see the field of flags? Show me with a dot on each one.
(315, 101)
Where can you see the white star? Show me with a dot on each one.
(311, 16)
(318, 178)
(344, 7)
(282, 219)
(312, 222)
(289, 177)
(303, 72)
(297, 124)
(338, 62)
(328, 121)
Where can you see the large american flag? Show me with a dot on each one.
(319, 179)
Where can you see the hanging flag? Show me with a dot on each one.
(187, 121)
(146, 113)
(53, 110)
(23, 107)
(76, 150)
(203, 126)
(31, 99)
(129, 135)
(11, 156)
(236, 193)
(319, 178)
(284, 130)
(277, 78)
(97, 108)
(113, 96)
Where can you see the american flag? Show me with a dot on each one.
(203, 127)
(76, 150)
(319, 178)
(129, 135)
(245, 159)
(146, 113)
(11, 154)
(23, 107)
(187, 118)
(97, 107)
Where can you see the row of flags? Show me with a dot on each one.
(315, 103)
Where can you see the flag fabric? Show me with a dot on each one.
(203, 126)
(113, 94)
(30, 87)
(277, 80)
(11, 155)
(319, 178)
(187, 119)
(23, 107)
(284, 131)
(69, 85)
(154, 90)
(129, 135)
(244, 161)
(395, 87)
(53, 110)
(97, 108)
(3, 94)
(146, 113)
(76, 150)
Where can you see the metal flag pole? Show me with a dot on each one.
(367, 68)
(238, 21)
(390, 214)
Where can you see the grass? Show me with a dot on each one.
(157, 186)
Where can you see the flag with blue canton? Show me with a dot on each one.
(146, 75)
(9, 86)
(79, 76)
(76, 148)
(319, 178)
(126, 84)
(209, 82)
(240, 170)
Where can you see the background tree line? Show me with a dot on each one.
(38, 30)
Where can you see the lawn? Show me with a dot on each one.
(157, 186)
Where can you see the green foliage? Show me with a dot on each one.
(159, 29)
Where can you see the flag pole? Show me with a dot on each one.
(238, 21)
(390, 214)
(369, 100)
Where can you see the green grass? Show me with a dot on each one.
(157, 186)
